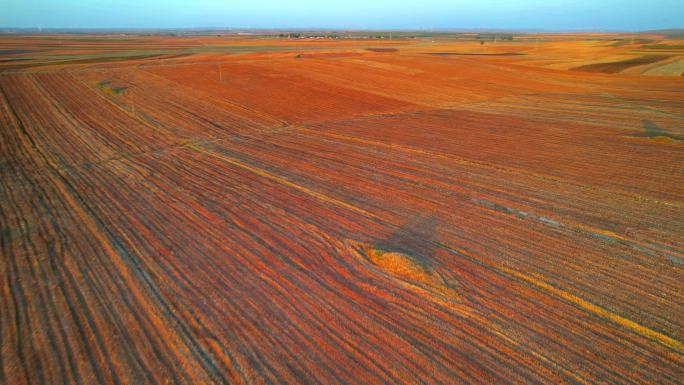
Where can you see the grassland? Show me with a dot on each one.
(449, 209)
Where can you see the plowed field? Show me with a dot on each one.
(264, 211)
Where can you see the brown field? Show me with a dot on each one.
(319, 211)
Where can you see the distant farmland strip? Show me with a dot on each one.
(79, 61)
(372, 49)
(664, 46)
(475, 54)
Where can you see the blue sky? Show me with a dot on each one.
(625, 15)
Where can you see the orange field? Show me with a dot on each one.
(224, 209)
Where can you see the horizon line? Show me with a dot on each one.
(333, 29)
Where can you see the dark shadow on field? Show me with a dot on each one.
(415, 238)
(619, 66)
(652, 130)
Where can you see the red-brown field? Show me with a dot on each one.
(312, 211)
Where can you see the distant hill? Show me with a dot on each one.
(672, 33)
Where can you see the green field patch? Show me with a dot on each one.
(107, 87)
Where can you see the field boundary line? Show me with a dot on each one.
(281, 180)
